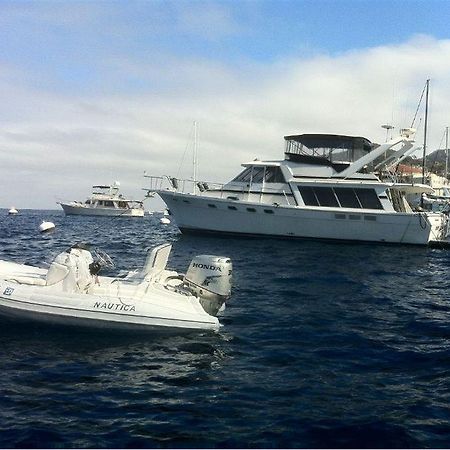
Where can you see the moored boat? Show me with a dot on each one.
(327, 187)
(105, 200)
(71, 292)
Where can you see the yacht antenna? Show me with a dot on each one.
(388, 127)
(425, 130)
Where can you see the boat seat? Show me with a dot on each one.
(56, 273)
(156, 261)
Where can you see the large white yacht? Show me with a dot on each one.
(327, 187)
(105, 200)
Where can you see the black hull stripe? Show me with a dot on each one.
(236, 234)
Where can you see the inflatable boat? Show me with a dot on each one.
(71, 291)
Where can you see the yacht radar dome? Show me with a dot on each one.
(388, 128)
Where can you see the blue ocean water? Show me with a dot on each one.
(323, 345)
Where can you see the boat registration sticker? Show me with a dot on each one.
(8, 291)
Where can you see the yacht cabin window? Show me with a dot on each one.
(347, 197)
(256, 174)
(326, 196)
(364, 198)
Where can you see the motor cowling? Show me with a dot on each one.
(209, 278)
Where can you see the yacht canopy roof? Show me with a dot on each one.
(326, 149)
(331, 141)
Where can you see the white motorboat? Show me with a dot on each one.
(105, 200)
(13, 211)
(72, 292)
(327, 187)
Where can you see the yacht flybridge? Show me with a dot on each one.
(327, 187)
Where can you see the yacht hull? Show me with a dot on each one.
(207, 214)
(70, 209)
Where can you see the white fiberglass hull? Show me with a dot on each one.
(207, 214)
(154, 311)
(83, 210)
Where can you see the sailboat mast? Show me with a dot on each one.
(446, 152)
(425, 131)
(194, 157)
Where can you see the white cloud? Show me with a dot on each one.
(210, 20)
(57, 145)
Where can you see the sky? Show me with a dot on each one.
(97, 91)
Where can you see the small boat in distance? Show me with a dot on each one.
(105, 200)
(13, 211)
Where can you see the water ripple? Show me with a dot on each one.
(322, 346)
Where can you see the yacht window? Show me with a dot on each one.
(270, 174)
(274, 175)
(100, 203)
(88, 202)
(347, 197)
(109, 203)
(325, 196)
(368, 198)
(340, 197)
(308, 196)
(122, 205)
(258, 174)
(244, 175)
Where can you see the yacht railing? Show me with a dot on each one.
(183, 186)
(189, 186)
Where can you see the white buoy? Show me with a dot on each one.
(13, 211)
(164, 220)
(46, 226)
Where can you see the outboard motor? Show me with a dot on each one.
(209, 278)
